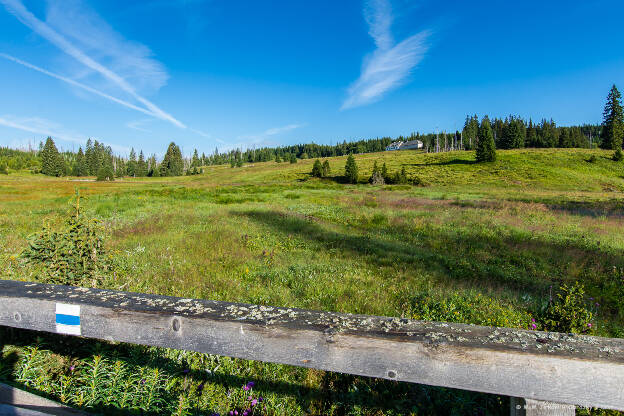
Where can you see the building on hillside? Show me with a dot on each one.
(412, 144)
(409, 145)
(394, 146)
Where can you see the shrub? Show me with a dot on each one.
(592, 159)
(317, 169)
(4, 169)
(351, 170)
(618, 155)
(326, 168)
(293, 158)
(376, 177)
(72, 255)
(105, 173)
(470, 307)
(569, 311)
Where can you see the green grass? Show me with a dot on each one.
(480, 243)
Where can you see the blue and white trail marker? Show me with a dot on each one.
(67, 319)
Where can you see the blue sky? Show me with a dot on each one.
(227, 74)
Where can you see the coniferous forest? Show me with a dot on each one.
(511, 132)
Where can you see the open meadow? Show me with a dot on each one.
(486, 243)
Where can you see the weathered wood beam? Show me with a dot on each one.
(563, 368)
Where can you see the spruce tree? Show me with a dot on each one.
(195, 162)
(351, 170)
(317, 169)
(613, 121)
(172, 164)
(52, 162)
(486, 149)
(132, 163)
(141, 166)
(376, 178)
(326, 169)
(80, 166)
(293, 158)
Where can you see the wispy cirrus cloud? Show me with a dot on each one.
(44, 127)
(388, 66)
(83, 35)
(260, 137)
(75, 84)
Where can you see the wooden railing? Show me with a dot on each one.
(548, 372)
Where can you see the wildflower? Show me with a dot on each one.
(254, 402)
(589, 325)
(186, 371)
(597, 304)
(533, 326)
(260, 399)
(246, 388)
(200, 388)
(72, 368)
(532, 319)
(142, 381)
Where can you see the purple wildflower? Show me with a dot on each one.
(246, 388)
(72, 368)
(534, 326)
(142, 381)
(186, 371)
(589, 325)
(254, 402)
(260, 399)
(251, 384)
(532, 319)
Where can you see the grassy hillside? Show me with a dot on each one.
(479, 243)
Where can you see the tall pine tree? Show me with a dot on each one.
(52, 162)
(486, 149)
(613, 121)
(141, 166)
(172, 164)
(351, 170)
(80, 167)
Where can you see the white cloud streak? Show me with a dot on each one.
(389, 65)
(270, 132)
(76, 84)
(38, 125)
(137, 125)
(101, 38)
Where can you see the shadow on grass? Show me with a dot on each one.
(336, 393)
(594, 209)
(479, 258)
(445, 163)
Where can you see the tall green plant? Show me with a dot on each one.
(73, 254)
(486, 149)
(351, 170)
(613, 121)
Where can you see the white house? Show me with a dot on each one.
(409, 145)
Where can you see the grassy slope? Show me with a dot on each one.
(487, 239)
